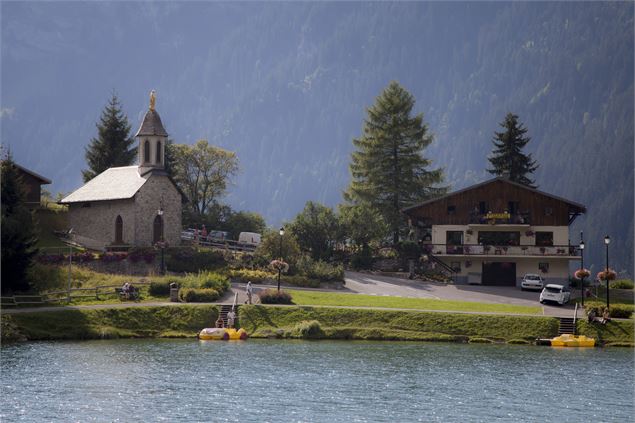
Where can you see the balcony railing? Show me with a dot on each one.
(501, 250)
(500, 219)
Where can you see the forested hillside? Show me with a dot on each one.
(286, 87)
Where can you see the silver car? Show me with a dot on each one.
(555, 293)
(531, 281)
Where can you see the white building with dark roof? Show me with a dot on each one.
(130, 205)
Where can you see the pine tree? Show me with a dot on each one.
(113, 146)
(388, 168)
(507, 158)
(18, 233)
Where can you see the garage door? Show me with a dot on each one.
(499, 274)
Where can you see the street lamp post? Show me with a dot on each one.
(607, 241)
(70, 261)
(280, 252)
(161, 242)
(582, 266)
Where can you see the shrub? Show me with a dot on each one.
(44, 277)
(409, 250)
(518, 342)
(195, 295)
(622, 284)
(160, 288)
(362, 260)
(205, 279)
(273, 296)
(255, 276)
(301, 281)
(191, 260)
(308, 329)
(112, 257)
(319, 270)
(619, 311)
(146, 254)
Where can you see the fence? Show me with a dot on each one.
(63, 296)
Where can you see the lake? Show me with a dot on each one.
(304, 381)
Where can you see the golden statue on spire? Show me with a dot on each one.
(153, 99)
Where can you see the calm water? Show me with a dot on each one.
(300, 381)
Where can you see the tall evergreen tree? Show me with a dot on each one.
(507, 158)
(113, 146)
(18, 232)
(388, 168)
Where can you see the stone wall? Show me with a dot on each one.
(157, 192)
(96, 220)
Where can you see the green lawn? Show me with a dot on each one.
(358, 300)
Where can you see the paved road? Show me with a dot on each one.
(370, 284)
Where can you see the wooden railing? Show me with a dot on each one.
(501, 250)
(63, 296)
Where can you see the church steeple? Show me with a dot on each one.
(152, 138)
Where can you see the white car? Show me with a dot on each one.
(531, 281)
(556, 293)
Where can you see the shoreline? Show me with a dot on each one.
(299, 322)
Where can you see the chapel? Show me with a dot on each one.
(130, 206)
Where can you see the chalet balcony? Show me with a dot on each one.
(519, 219)
(565, 251)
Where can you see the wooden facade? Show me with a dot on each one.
(32, 184)
(497, 197)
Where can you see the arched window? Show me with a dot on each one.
(119, 230)
(158, 155)
(157, 229)
(146, 151)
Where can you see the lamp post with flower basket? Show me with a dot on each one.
(581, 275)
(280, 259)
(607, 241)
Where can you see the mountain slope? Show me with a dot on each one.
(286, 87)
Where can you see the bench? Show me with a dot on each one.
(132, 295)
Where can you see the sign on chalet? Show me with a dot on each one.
(494, 232)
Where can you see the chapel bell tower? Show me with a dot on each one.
(152, 138)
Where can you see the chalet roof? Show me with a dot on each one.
(42, 179)
(115, 183)
(579, 207)
(151, 125)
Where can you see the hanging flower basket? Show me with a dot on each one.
(582, 273)
(529, 233)
(279, 265)
(469, 232)
(468, 264)
(607, 275)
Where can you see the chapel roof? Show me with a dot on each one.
(151, 125)
(115, 183)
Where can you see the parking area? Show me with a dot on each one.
(364, 283)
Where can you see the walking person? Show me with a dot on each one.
(249, 291)
(231, 316)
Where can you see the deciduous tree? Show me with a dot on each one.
(202, 171)
(316, 229)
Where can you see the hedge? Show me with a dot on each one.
(196, 295)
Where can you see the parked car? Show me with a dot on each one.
(532, 281)
(555, 293)
(249, 238)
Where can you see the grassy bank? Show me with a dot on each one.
(132, 322)
(615, 332)
(299, 322)
(358, 300)
(337, 323)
